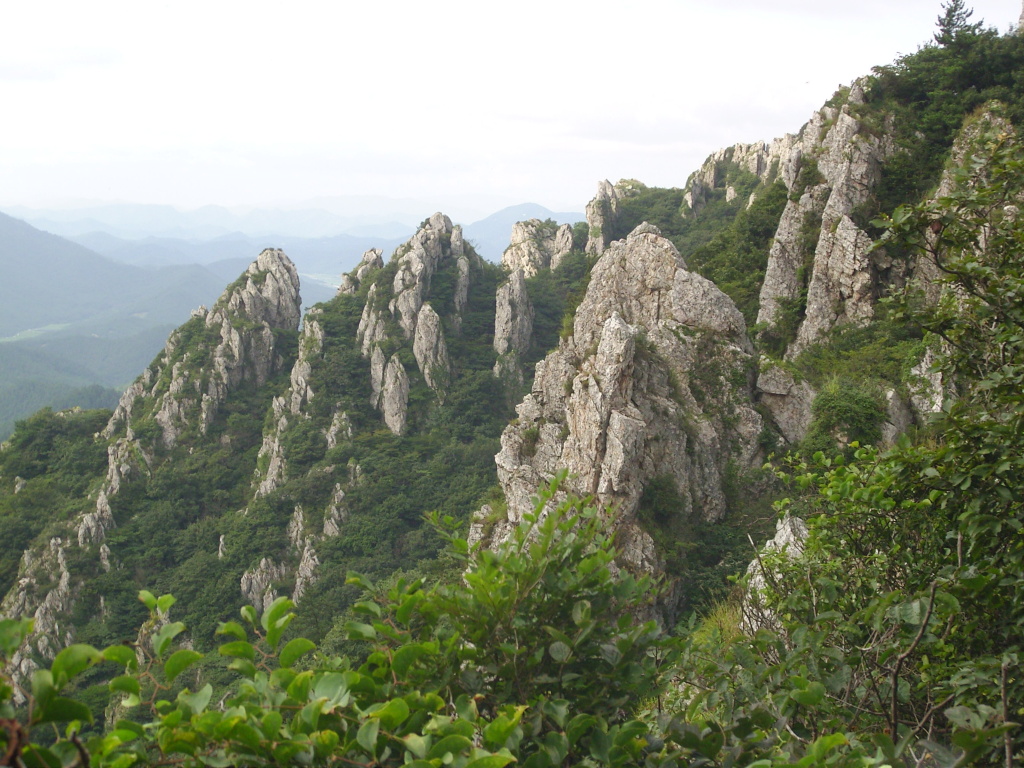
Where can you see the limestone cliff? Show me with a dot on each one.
(178, 395)
(536, 245)
(653, 382)
(396, 312)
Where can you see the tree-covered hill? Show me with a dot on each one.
(695, 355)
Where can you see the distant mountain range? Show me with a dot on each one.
(82, 314)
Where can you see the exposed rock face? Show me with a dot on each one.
(271, 466)
(258, 583)
(212, 355)
(52, 629)
(513, 327)
(639, 390)
(762, 159)
(790, 535)
(430, 350)
(788, 253)
(842, 281)
(351, 282)
(394, 397)
(600, 217)
(535, 245)
(788, 401)
(415, 269)
(435, 245)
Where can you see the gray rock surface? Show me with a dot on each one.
(617, 403)
(787, 401)
(513, 327)
(394, 399)
(535, 245)
(430, 350)
(600, 214)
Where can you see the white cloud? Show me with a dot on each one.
(240, 102)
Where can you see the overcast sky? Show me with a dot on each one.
(464, 103)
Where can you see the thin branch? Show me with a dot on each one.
(893, 720)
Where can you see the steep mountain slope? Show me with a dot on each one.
(696, 330)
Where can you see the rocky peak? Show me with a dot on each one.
(372, 260)
(644, 387)
(513, 327)
(418, 261)
(842, 284)
(433, 247)
(600, 214)
(536, 245)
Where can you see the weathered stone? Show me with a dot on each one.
(601, 213)
(614, 404)
(788, 401)
(257, 583)
(395, 395)
(430, 350)
(513, 327)
(536, 245)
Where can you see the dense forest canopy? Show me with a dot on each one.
(887, 632)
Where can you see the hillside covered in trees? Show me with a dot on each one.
(480, 515)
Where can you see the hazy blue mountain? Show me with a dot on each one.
(491, 235)
(322, 259)
(133, 222)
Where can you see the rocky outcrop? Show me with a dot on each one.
(764, 160)
(536, 245)
(600, 214)
(271, 463)
(430, 350)
(51, 630)
(790, 535)
(417, 263)
(216, 352)
(787, 400)
(841, 277)
(352, 281)
(403, 308)
(394, 395)
(258, 583)
(513, 327)
(646, 386)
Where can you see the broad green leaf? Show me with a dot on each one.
(358, 631)
(59, 709)
(405, 657)
(491, 761)
(164, 603)
(454, 743)
(330, 686)
(148, 599)
(294, 649)
(243, 667)
(121, 654)
(12, 634)
(810, 696)
(417, 744)
(124, 684)
(367, 736)
(239, 649)
(179, 662)
(196, 702)
(163, 636)
(73, 660)
(392, 714)
(271, 724)
(275, 612)
(559, 651)
(249, 614)
(232, 628)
